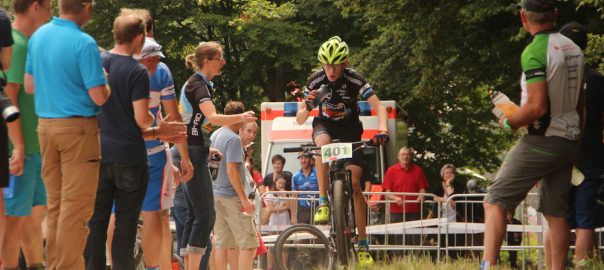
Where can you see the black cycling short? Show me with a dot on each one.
(345, 131)
(3, 154)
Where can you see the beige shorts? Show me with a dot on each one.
(233, 229)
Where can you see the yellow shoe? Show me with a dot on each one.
(364, 258)
(322, 214)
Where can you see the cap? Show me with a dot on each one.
(575, 32)
(151, 48)
(539, 5)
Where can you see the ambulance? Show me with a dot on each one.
(280, 130)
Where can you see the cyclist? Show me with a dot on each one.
(338, 118)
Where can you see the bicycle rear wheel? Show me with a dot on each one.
(307, 246)
(341, 209)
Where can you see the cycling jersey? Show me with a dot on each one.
(197, 91)
(554, 58)
(162, 88)
(341, 103)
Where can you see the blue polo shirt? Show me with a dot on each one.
(65, 63)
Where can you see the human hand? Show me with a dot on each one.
(214, 151)
(16, 161)
(187, 170)
(171, 131)
(310, 99)
(248, 117)
(398, 201)
(176, 174)
(248, 207)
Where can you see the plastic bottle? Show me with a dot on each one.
(503, 104)
(213, 164)
(323, 91)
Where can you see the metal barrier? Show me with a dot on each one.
(434, 236)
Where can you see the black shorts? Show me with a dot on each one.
(345, 131)
(3, 154)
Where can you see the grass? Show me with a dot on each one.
(425, 263)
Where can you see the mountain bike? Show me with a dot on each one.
(339, 245)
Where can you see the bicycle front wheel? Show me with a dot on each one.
(307, 248)
(341, 209)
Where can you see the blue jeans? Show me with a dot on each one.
(200, 204)
(127, 185)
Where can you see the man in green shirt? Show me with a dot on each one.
(26, 208)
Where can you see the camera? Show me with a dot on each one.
(9, 111)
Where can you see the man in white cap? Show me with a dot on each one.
(156, 235)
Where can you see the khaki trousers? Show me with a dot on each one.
(70, 170)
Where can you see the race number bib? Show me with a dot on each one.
(335, 151)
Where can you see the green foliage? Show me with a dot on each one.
(437, 58)
(595, 51)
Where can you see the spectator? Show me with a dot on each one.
(551, 110)
(6, 50)
(513, 239)
(65, 66)
(124, 171)
(405, 177)
(470, 209)
(586, 214)
(156, 234)
(234, 228)
(305, 180)
(278, 211)
(278, 161)
(207, 61)
(26, 208)
(256, 176)
(448, 209)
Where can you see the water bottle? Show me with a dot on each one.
(213, 163)
(9, 191)
(503, 104)
(323, 91)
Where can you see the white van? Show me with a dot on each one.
(279, 130)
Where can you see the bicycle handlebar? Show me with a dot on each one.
(312, 147)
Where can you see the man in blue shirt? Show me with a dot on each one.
(305, 180)
(64, 65)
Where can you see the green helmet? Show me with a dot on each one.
(333, 51)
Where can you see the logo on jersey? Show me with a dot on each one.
(334, 111)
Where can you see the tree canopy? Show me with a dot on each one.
(438, 59)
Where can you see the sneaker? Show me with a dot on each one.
(322, 215)
(365, 259)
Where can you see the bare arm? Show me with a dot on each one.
(100, 94)
(393, 197)
(5, 57)
(533, 109)
(167, 131)
(28, 83)
(235, 179)
(142, 115)
(15, 133)
(302, 114)
(208, 109)
(375, 103)
(171, 108)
